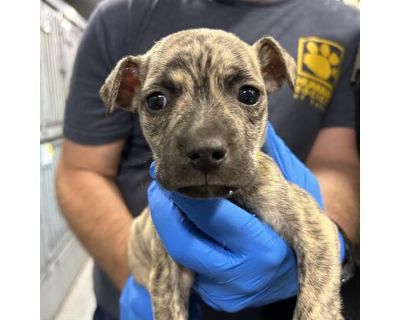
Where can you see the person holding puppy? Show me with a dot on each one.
(103, 174)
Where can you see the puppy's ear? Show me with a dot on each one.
(121, 84)
(277, 66)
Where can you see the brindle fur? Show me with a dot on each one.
(200, 71)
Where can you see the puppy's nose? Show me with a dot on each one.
(207, 158)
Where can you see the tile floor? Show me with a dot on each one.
(79, 304)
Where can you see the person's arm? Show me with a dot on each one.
(334, 160)
(93, 206)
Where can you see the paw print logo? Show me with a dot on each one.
(321, 61)
(318, 69)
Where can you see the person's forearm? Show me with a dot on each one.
(96, 213)
(339, 184)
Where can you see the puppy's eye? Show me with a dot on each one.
(156, 101)
(248, 95)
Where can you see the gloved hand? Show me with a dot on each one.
(135, 303)
(239, 261)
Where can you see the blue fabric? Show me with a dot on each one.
(239, 261)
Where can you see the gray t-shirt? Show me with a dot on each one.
(322, 36)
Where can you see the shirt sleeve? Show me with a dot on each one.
(341, 110)
(85, 119)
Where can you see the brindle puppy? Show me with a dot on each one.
(202, 99)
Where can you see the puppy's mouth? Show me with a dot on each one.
(207, 191)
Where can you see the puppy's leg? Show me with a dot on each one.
(315, 240)
(170, 285)
(139, 247)
(292, 212)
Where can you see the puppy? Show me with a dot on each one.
(202, 100)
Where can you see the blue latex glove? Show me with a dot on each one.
(239, 261)
(135, 303)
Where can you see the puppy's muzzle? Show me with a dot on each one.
(206, 155)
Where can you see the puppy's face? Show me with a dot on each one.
(201, 96)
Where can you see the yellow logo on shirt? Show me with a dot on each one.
(318, 66)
